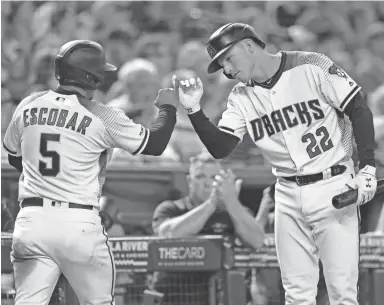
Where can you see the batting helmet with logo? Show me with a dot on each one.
(226, 37)
(81, 63)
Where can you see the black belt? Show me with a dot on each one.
(307, 179)
(38, 202)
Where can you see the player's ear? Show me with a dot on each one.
(248, 45)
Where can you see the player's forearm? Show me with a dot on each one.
(161, 131)
(247, 227)
(363, 129)
(188, 224)
(266, 205)
(262, 217)
(219, 143)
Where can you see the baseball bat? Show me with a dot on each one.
(350, 197)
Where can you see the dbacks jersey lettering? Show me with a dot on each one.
(297, 122)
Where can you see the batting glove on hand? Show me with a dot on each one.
(190, 92)
(167, 97)
(365, 182)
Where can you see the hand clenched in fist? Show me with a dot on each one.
(167, 97)
(190, 92)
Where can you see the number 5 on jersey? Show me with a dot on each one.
(314, 149)
(55, 157)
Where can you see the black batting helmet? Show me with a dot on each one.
(224, 38)
(81, 63)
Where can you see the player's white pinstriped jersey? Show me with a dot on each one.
(297, 122)
(66, 143)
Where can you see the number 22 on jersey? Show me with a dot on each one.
(314, 148)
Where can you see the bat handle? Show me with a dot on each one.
(350, 197)
(345, 199)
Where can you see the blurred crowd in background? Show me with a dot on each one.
(151, 41)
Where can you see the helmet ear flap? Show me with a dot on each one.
(57, 65)
(80, 77)
(94, 80)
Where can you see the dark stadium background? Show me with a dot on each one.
(166, 38)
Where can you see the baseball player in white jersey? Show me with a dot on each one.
(61, 141)
(301, 110)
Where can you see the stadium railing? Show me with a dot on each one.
(221, 262)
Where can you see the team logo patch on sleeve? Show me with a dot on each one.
(335, 69)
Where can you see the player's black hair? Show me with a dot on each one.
(121, 35)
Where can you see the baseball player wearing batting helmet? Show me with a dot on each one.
(301, 110)
(61, 141)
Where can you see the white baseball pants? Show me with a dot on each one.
(48, 241)
(309, 228)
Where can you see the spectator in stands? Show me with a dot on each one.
(136, 90)
(132, 29)
(7, 216)
(371, 67)
(9, 207)
(376, 101)
(193, 56)
(43, 76)
(109, 16)
(207, 209)
(18, 70)
(134, 93)
(108, 214)
(157, 48)
(283, 14)
(119, 47)
(8, 106)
